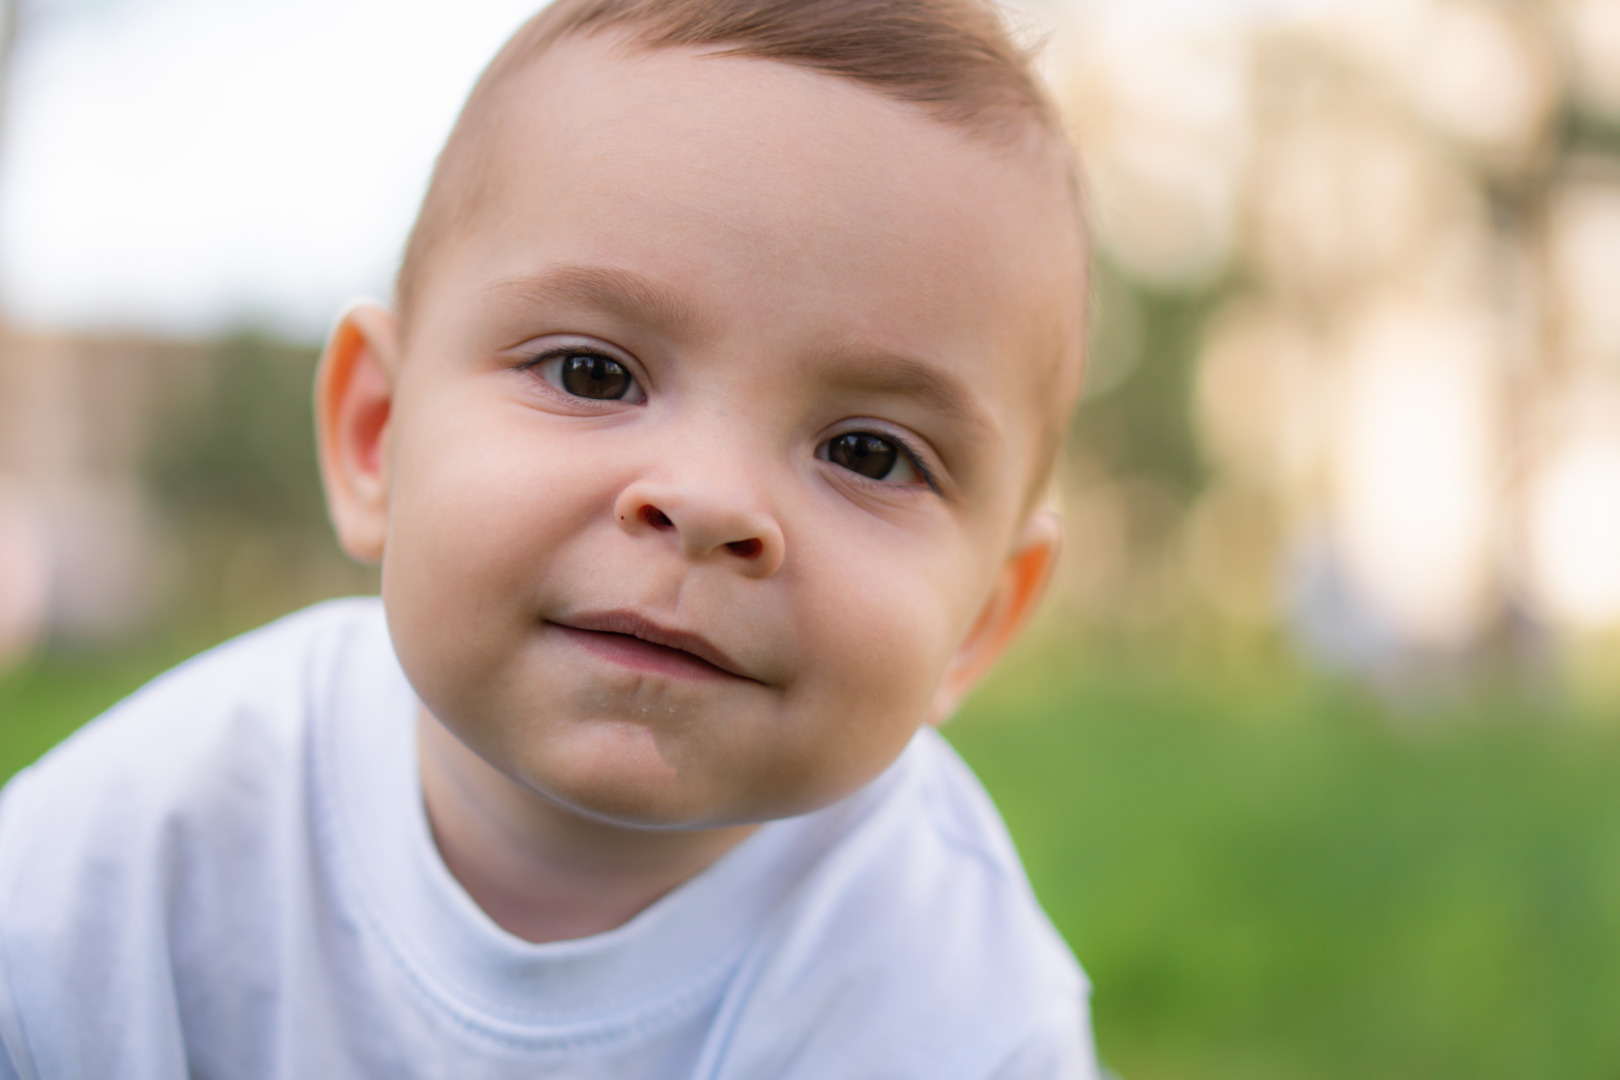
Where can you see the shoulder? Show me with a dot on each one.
(916, 946)
(193, 734)
(947, 845)
(162, 822)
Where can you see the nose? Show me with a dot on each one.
(709, 520)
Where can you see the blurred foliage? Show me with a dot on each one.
(244, 446)
(232, 467)
(1581, 131)
(1136, 418)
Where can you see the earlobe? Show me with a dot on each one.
(1017, 593)
(354, 389)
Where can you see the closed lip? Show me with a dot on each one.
(632, 624)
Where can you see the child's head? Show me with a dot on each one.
(731, 350)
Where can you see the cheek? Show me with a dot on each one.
(471, 529)
(878, 635)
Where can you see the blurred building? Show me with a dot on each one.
(78, 535)
(150, 485)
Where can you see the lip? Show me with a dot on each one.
(635, 641)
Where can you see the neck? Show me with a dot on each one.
(541, 872)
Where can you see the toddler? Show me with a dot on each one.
(702, 451)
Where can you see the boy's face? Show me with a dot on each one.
(741, 358)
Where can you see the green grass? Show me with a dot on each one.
(1266, 880)
(46, 701)
(1281, 881)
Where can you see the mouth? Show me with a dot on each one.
(636, 642)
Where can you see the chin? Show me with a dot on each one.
(620, 776)
(628, 801)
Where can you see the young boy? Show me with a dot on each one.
(702, 453)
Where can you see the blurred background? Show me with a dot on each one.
(1315, 754)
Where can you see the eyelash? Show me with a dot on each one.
(916, 459)
(529, 363)
(912, 456)
(562, 352)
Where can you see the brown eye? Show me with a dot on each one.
(592, 375)
(862, 452)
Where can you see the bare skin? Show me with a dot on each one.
(698, 484)
(548, 876)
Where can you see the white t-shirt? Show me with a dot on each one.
(231, 875)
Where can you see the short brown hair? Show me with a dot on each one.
(952, 58)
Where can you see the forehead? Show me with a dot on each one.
(778, 203)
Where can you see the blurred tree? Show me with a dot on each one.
(232, 467)
(1136, 418)
(244, 447)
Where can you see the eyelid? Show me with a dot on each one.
(530, 357)
(531, 352)
(906, 444)
(917, 462)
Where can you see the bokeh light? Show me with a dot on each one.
(1574, 533)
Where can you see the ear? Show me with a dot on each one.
(1017, 592)
(354, 393)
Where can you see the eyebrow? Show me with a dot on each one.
(636, 296)
(901, 376)
(625, 293)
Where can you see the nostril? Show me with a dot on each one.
(747, 549)
(655, 517)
